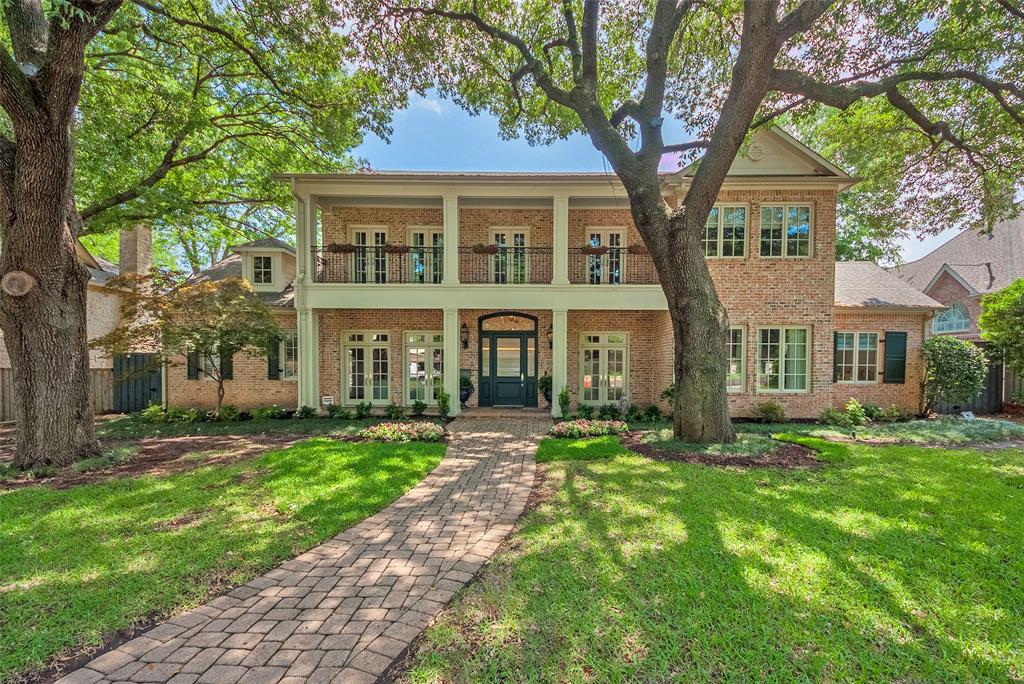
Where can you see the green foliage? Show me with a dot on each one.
(609, 412)
(110, 458)
(873, 411)
(770, 412)
(364, 409)
(394, 412)
(444, 404)
(572, 429)
(422, 431)
(652, 414)
(1002, 323)
(955, 369)
(465, 382)
(157, 90)
(668, 394)
(273, 412)
(95, 559)
(338, 411)
(305, 412)
(418, 408)
(855, 412)
(564, 401)
(583, 449)
(634, 414)
(154, 413)
(833, 416)
(544, 383)
(229, 414)
(180, 414)
(584, 411)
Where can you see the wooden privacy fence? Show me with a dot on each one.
(102, 392)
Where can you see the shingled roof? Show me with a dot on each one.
(984, 262)
(231, 267)
(863, 284)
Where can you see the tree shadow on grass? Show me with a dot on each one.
(79, 563)
(894, 566)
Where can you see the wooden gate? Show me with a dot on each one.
(989, 401)
(137, 382)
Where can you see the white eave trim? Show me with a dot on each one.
(946, 268)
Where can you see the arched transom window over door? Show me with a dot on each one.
(953, 319)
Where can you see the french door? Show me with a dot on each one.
(606, 268)
(426, 260)
(369, 260)
(510, 264)
(604, 371)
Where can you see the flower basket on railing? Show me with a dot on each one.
(396, 249)
(340, 248)
(485, 249)
(595, 250)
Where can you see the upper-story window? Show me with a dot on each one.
(725, 233)
(511, 261)
(786, 231)
(953, 319)
(262, 270)
(605, 258)
(370, 258)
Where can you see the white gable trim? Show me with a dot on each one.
(946, 268)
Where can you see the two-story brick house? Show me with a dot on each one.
(402, 281)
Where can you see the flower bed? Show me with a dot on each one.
(587, 428)
(422, 431)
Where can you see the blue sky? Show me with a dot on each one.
(436, 135)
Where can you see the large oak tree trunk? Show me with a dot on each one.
(45, 328)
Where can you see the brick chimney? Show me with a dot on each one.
(136, 250)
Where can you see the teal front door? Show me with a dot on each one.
(508, 369)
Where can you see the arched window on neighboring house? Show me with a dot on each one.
(954, 319)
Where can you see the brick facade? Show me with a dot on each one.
(249, 387)
(948, 291)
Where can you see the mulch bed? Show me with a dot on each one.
(786, 456)
(162, 455)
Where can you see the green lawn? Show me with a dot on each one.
(938, 432)
(893, 563)
(586, 449)
(79, 563)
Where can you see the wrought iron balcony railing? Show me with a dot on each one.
(611, 266)
(379, 264)
(505, 265)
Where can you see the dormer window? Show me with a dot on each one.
(954, 319)
(262, 270)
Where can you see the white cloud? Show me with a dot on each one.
(431, 104)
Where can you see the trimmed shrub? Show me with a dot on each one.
(305, 412)
(873, 411)
(609, 412)
(364, 409)
(855, 412)
(770, 412)
(634, 414)
(584, 411)
(229, 414)
(339, 412)
(394, 411)
(418, 408)
(272, 412)
(587, 428)
(893, 414)
(176, 414)
(652, 414)
(564, 402)
(833, 416)
(444, 403)
(421, 431)
(955, 370)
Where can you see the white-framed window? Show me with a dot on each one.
(426, 255)
(424, 357)
(370, 259)
(783, 359)
(606, 268)
(735, 347)
(604, 367)
(263, 270)
(366, 377)
(856, 357)
(725, 233)
(511, 263)
(786, 230)
(953, 319)
(289, 355)
(209, 364)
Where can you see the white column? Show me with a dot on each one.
(450, 211)
(560, 241)
(302, 246)
(309, 358)
(452, 357)
(311, 242)
(559, 357)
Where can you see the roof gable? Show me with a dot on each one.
(773, 152)
(863, 284)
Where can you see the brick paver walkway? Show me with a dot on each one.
(345, 610)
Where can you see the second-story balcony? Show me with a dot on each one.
(502, 265)
(401, 264)
(611, 266)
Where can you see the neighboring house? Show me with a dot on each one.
(957, 274)
(403, 281)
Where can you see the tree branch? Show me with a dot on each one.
(802, 18)
(686, 146)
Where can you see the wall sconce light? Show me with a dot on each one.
(551, 338)
(464, 336)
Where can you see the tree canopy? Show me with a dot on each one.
(1002, 323)
(188, 108)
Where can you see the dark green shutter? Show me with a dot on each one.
(274, 359)
(895, 372)
(835, 359)
(226, 366)
(193, 365)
